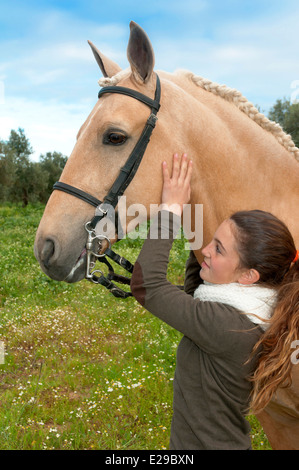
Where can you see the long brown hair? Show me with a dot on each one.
(265, 244)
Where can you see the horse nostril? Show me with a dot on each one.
(47, 253)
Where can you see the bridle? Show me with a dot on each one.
(103, 208)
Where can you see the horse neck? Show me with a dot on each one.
(238, 165)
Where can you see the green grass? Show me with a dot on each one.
(82, 369)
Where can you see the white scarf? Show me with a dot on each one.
(252, 300)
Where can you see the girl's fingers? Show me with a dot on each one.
(184, 167)
(189, 172)
(176, 187)
(175, 167)
(181, 170)
(165, 172)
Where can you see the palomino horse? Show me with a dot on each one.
(241, 161)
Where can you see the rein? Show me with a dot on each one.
(103, 208)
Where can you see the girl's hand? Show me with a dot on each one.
(176, 189)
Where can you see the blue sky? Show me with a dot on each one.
(48, 76)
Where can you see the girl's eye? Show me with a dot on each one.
(218, 249)
(114, 138)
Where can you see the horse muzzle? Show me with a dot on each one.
(55, 261)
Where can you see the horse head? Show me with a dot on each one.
(104, 143)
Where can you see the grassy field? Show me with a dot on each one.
(82, 369)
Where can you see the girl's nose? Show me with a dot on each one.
(205, 251)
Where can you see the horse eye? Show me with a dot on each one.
(115, 138)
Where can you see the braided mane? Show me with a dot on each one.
(233, 96)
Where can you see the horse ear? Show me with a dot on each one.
(107, 66)
(140, 53)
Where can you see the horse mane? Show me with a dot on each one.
(232, 96)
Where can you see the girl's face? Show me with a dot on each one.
(221, 259)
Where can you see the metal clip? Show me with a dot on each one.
(90, 253)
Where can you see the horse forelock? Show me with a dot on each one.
(113, 81)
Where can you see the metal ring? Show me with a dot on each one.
(103, 237)
(95, 281)
(100, 237)
(94, 235)
(101, 210)
(89, 231)
(97, 255)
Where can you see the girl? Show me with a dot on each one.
(247, 272)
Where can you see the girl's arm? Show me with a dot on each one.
(192, 277)
(203, 322)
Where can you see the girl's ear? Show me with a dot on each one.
(248, 277)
